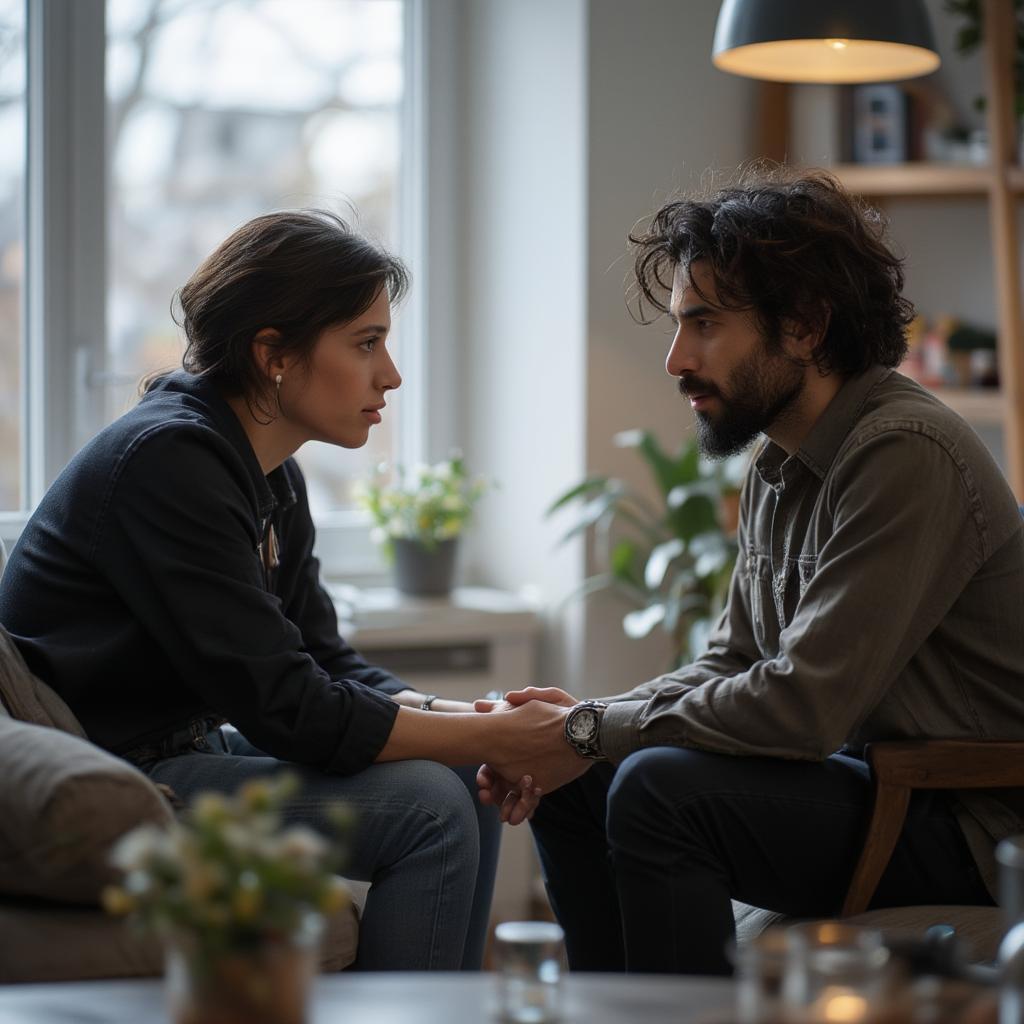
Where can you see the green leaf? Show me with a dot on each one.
(710, 552)
(696, 514)
(638, 624)
(591, 585)
(682, 493)
(591, 513)
(584, 489)
(697, 640)
(622, 561)
(659, 560)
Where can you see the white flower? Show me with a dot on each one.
(140, 847)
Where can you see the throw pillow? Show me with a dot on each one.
(63, 804)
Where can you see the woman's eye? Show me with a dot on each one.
(370, 344)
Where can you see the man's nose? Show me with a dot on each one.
(682, 357)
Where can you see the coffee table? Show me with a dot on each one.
(400, 998)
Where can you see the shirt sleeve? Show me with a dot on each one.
(177, 540)
(905, 543)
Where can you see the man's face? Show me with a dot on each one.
(738, 385)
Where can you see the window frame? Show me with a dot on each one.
(64, 300)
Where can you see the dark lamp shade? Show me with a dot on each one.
(825, 40)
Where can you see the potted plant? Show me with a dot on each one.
(672, 560)
(418, 518)
(238, 902)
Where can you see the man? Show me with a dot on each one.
(878, 594)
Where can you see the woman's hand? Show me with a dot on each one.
(515, 804)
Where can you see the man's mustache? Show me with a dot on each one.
(689, 386)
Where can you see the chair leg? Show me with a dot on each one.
(887, 817)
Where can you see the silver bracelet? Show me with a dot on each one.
(427, 701)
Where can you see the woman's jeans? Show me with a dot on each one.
(641, 862)
(421, 839)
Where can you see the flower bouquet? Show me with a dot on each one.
(238, 901)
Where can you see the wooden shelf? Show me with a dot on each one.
(916, 179)
(982, 406)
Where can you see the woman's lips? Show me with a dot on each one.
(372, 415)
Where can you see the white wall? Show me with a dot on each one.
(522, 306)
(581, 117)
(660, 116)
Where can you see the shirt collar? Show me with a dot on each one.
(828, 433)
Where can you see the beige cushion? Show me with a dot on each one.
(61, 943)
(26, 697)
(63, 804)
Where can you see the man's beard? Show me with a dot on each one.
(759, 391)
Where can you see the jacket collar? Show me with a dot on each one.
(273, 489)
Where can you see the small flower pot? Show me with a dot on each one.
(423, 571)
(269, 983)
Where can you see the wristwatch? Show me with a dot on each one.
(583, 728)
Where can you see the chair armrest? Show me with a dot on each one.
(901, 766)
(948, 764)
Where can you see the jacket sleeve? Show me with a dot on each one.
(176, 538)
(882, 585)
(310, 607)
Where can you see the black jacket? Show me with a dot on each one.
(138, 593)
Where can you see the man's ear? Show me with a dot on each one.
(266, 353)
(801, 338)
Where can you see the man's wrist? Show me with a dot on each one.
(582, 728)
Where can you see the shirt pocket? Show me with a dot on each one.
(762, 604)
(799, 573)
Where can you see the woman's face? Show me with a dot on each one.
(340, 394)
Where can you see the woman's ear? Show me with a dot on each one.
(266, 352)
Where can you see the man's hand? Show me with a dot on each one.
(515, 804)
(548, 694)
(494, 787)
(533, 743)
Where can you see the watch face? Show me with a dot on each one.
(584, 725)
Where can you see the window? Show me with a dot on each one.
(217, 113)
(154, 127)
(12, 205)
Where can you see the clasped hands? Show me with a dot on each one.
(536, 754)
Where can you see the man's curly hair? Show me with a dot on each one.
(791, 248)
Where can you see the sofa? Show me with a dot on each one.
(64, 802)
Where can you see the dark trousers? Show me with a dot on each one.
(641, 862)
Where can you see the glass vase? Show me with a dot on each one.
(267, 981)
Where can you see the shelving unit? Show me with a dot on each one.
(1000, 183)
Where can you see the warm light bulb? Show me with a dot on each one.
(843, 1008)
(837, 44)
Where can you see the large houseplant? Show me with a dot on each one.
(671, 560)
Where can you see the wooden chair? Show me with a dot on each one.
(897, 768)
(900, 767)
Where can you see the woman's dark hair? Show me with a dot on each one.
(297, 272)
(787, 247)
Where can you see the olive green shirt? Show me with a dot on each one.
(878, 595)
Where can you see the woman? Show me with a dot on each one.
(166, 585)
